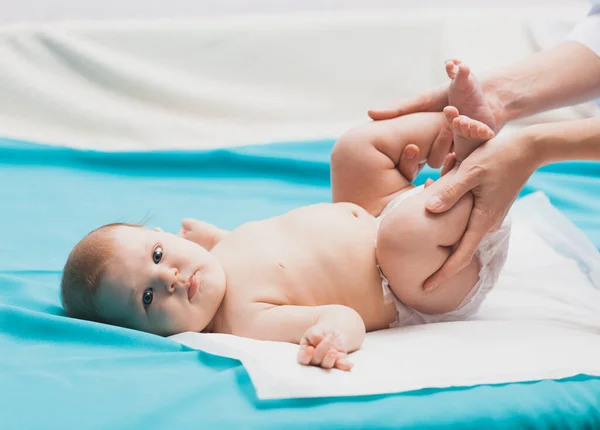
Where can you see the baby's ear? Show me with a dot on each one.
(160, 230)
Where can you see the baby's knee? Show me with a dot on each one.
(352, 145)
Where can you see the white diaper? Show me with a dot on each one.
(491, 253)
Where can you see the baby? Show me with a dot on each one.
(319, 276)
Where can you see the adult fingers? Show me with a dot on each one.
(449, 163)
(479, 226)
(451, 192)
(403, 107)
(433, 101)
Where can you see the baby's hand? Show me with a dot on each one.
(204, 234)
(324, 345)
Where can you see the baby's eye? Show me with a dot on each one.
(157, 255)
(147, 297)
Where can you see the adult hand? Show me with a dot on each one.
(436, 100)
(431, 101)
(495, 173)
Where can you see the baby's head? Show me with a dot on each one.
(143, 279)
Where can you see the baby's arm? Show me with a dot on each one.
(204, 234)
(325, 333)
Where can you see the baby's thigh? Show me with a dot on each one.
(364, 161)
(412, 245)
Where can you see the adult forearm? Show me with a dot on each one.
(567, 74)
(562, 141)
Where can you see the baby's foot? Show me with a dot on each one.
(467, 133)
(466, 94)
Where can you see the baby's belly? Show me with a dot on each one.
(333, 262)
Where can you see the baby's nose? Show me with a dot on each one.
(169, 278)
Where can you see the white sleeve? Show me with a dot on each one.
(587, 32)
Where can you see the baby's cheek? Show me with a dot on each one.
(162, 321)
(178, 318)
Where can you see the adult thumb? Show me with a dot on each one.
(403, 107)
(448, 195)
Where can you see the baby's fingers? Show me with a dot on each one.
(305, 354)
(313, 336)
(330, 358)
(322, 349)
(343, 363)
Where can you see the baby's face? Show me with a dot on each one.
(160, 283)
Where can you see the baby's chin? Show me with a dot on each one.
(171, 331)
(200, 317)
(205, 321)
(211, 290)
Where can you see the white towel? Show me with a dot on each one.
(542, 321)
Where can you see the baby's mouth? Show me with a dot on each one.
(194, 284)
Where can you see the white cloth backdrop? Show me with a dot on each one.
(221, 81)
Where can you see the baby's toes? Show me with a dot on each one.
(474, 130)
(484, 132)
(462, 71)
(456, 126)
(451, 113)
(451, 69)
(464, 127)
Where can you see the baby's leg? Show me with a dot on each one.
(466, 94)
(364, 161)
(412, 243)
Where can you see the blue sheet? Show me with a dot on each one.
(56, 372)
